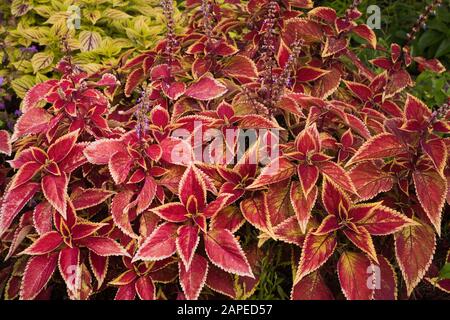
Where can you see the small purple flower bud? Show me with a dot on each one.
(2, 80)
(2, 106)
(17, 113)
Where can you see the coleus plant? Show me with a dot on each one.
(108, 190)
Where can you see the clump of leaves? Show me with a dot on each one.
(107, 190)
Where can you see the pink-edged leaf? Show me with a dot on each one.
(119, 212)
(145, 288)
(119, 166)
(224, 251)
(25, 174)
(436, 150)
(134, 78)
(308, 176)
(352, 269)
(62, 146)
(221, 282)
(317, 249)
(383, 145)
(380, 220)
(5, 143)
(229, 218)
(302, 203)
(44, 244)
(385, 280)
(34, 121)
(362, 91)
(99, 266)
(147, 194)
(42, 217)
(311, 287)
(362, 239)
(289, 231)
(255, 211)
(74, 159)
(305, 74)
(193, 279)
(160, 244)
(103, 246)
(36, 94)
(367, 34)
(55, 191)
(69, 267)
(100, 151)
(431, 189)
(187, 242)
(90, 197)
(414, 250)
(126, 292)
(338, 175)
(84, 229)
(37, 273)
(172, 212)
(277, 170)
(206, 88)
(240, 66)
(174, 90)
(192, 185)
(369, 180)
(13, 202)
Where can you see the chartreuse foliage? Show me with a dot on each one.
(106, 194)
(33, 35)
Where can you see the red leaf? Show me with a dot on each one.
(55, 191)
(370, 180)
(416, 109)
(69, 268)
(42, 217)
(192, 185)
(44, 244)
(174, 90)
(431, 190)
(278, 169)
(62, 146)
(206, 88)
(99, 266)
(228, 218)
(308, 175)
(25, 174)
(37, 273)
(224, 251)
(255, 211)
(5, 143)
(133, 80)
(254, 121)
(334, 45)
(74, 159)
(160, 244)
(240, 66)
(325, 13)
(381, 146)
(193, 279)
(338, 175)
(302, 203)
(317, 249)
(305, 74)
(385, 280)
(100, 151)
(13, 202)
(119, 166)
(353, 272)
(367, 34)
(145, 288)
(103, 246)
(172, 212)
(414, 249)
(289, 231)
(436, 150)
(380, 220)
(362, 239)
(36, 94)
(35, 121)
(119, 212)
(311, 287)
(221, 282)
(308, 140)
(147, 194)
(363, 92)
(334, 199)
(187, 242)
(431, 64)
(90, 197)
